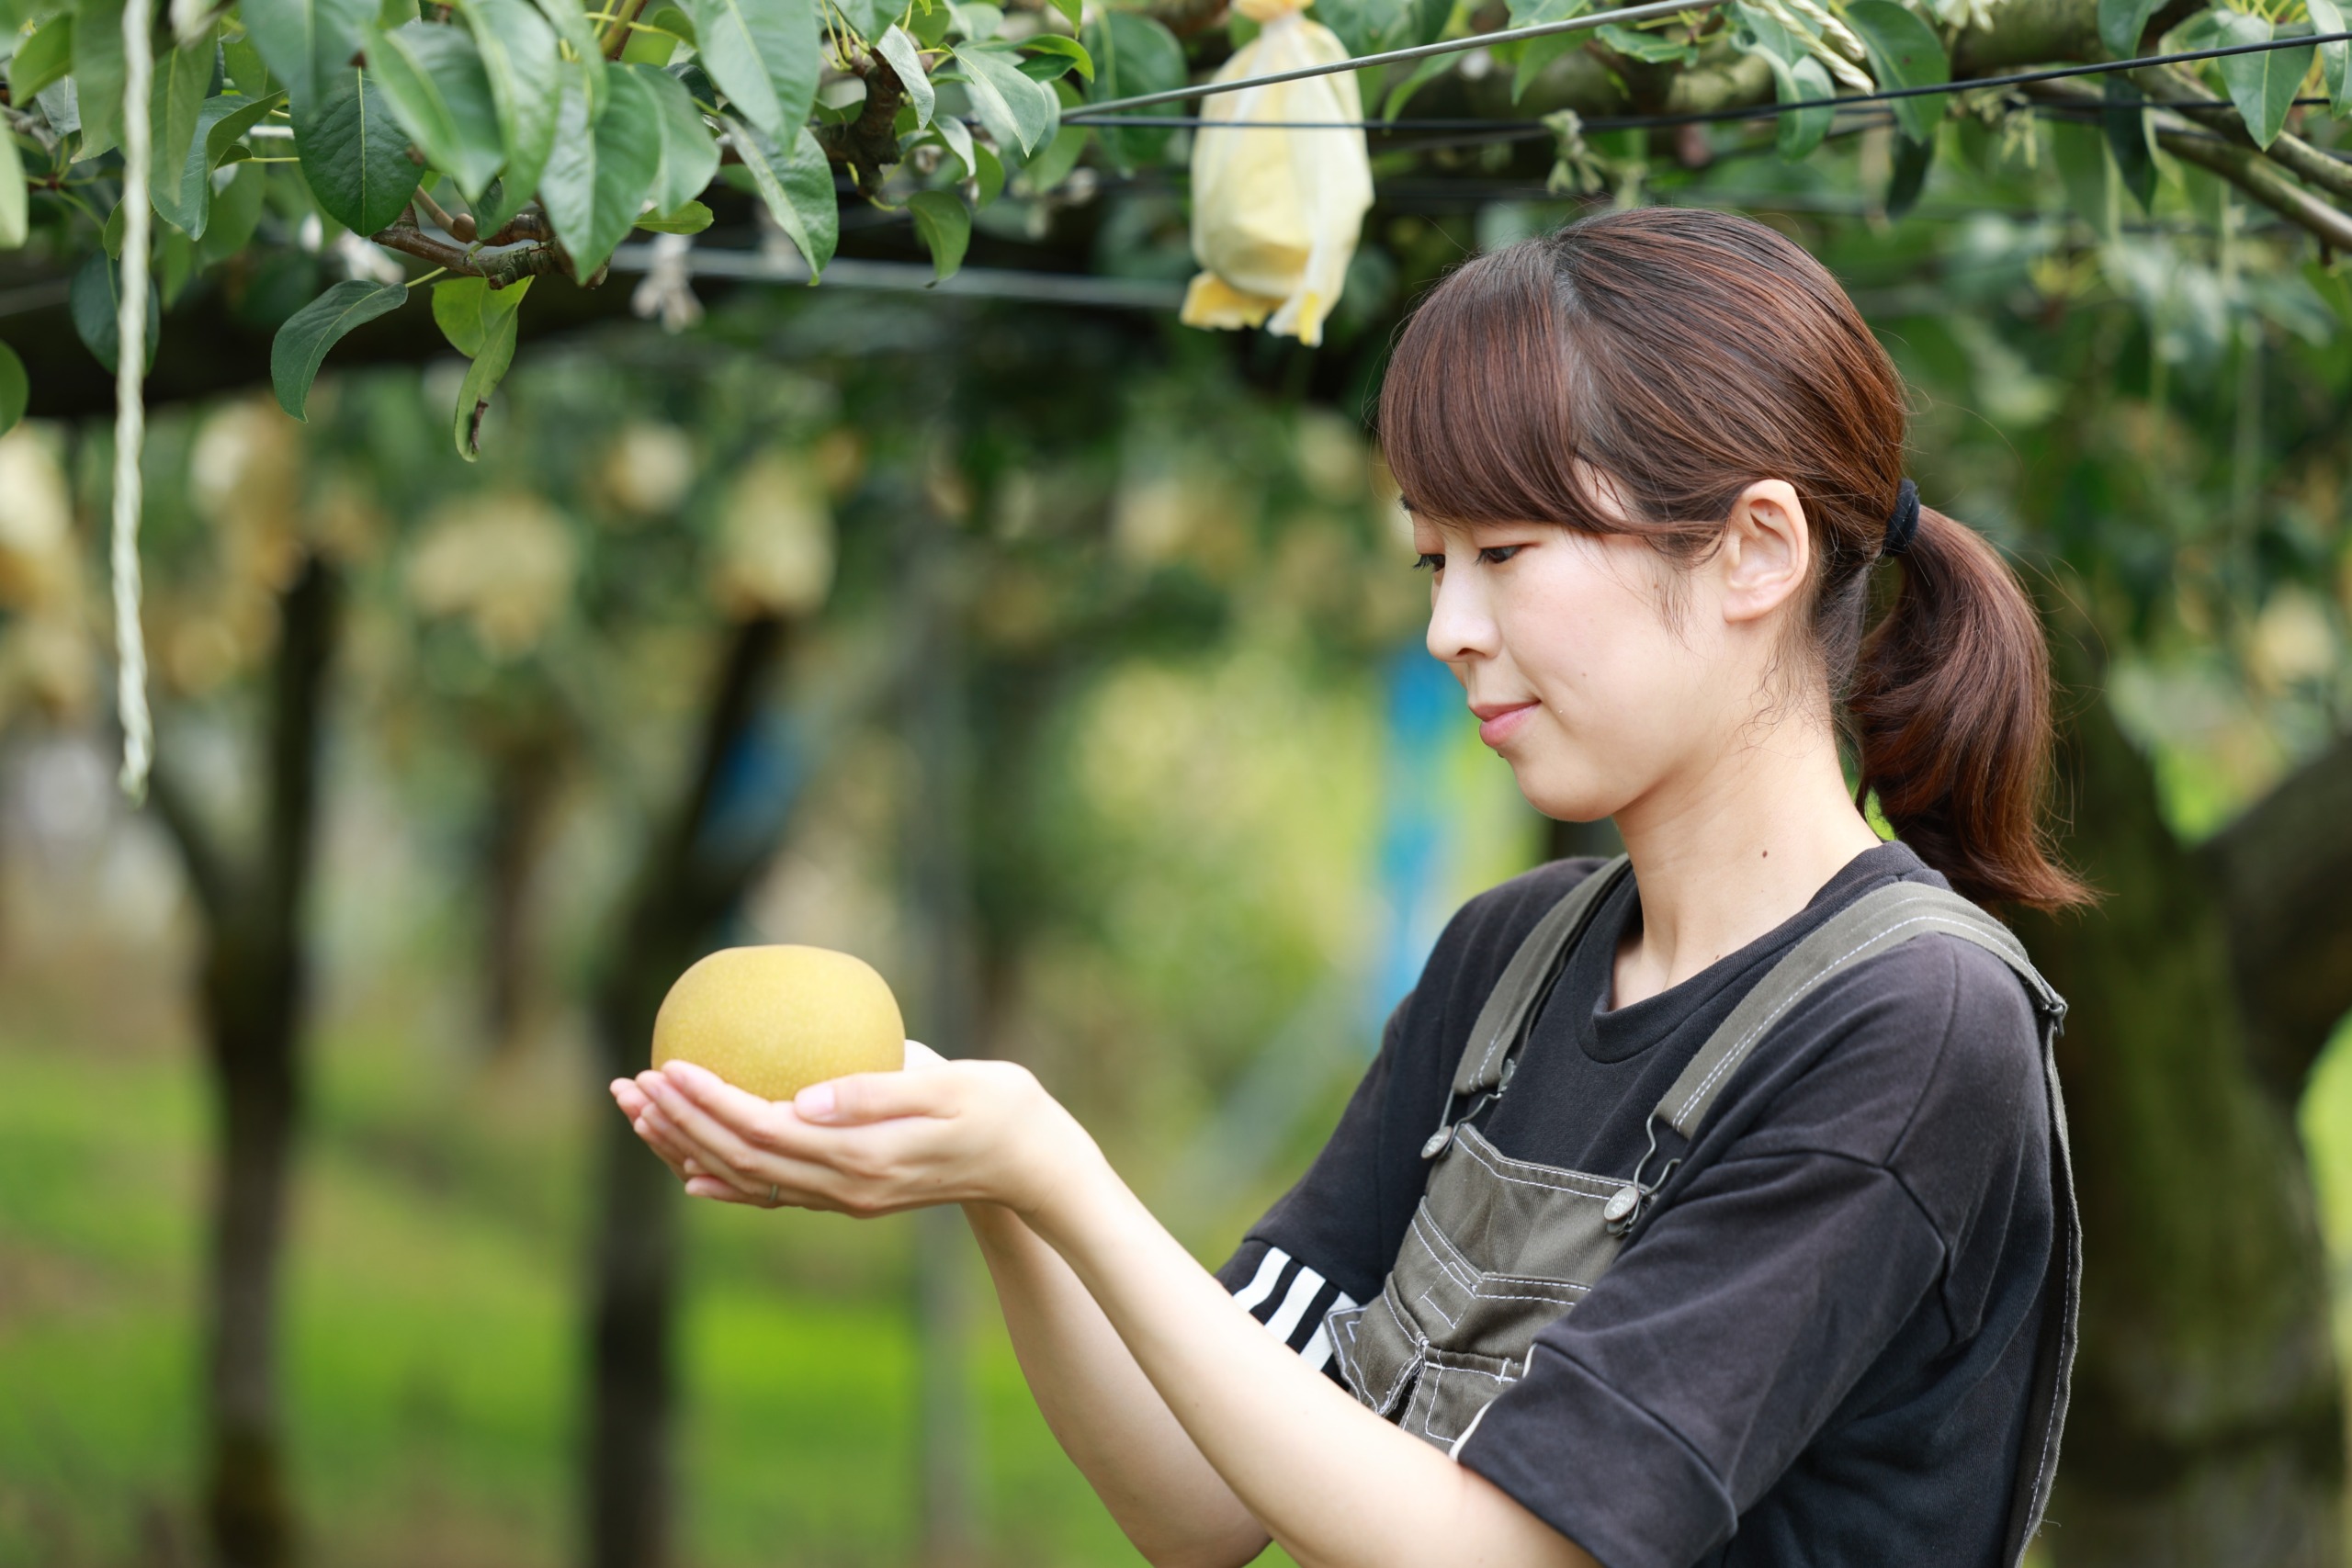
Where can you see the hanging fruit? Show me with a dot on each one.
(1275, 210)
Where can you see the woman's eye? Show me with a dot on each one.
(1494, 555)
(1427, 563)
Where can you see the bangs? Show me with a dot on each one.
(1480, 415)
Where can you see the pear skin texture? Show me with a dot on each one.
(772, 1020)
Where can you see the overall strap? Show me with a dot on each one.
(1526, 979)
(1489, 1055)
(1880, 920)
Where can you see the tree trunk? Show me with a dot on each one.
(683, 893)
(525, 779)
(251, 1003)
(2207, 1425)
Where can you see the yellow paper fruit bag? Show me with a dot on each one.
(1276, 212)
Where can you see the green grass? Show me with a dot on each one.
(433, 1340)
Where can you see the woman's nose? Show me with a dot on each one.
(1461, 624)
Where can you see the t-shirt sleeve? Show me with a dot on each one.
(1764, 1288)
(1321, 1246)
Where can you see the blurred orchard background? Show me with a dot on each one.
(1066, 663)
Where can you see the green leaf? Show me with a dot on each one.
(569, 19)
(598, 175)
(2327, 17)
(1052, 167)
(15, 389)
(1654, 48)
(688, 157)
(1133, 55)
(1904, 52)
(2262, 85)
(2122, 22)
(97, 75)
(518, 57)
(867, 18)
(94, 302)
(15, 225)
(183, 77)
(42, 59)
(248, 72)
(1073, 11)
(1805, 81)
(491, 357)
(432, 75)
(302, 344)
(1909, 175)
(1368, 26)
(1069, 49)
(957, 136)
(692, 218)
(1018, 112)
(2131, 140)
(797, 187)
(307, 44)
(946, 225)
(899, 51)
(354, 153)
(2080, 148)
(460, 308)
(186, 202)
(236, 213)
(988, 179)
(763, 55)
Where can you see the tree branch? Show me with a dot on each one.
(2280, 872)
(2289, 152)
(2245, 167)
(2264, 181)
(500, 266)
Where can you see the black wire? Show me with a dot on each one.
(1602, 122)
(1764, 111)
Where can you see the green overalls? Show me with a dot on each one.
(1499, 1248)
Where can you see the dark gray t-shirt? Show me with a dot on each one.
(1819, 1350)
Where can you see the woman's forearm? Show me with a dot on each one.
(1106, 1414)
(1337, 1486)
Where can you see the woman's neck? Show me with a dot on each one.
(1724, 857)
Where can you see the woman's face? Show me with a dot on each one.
(1600, 670)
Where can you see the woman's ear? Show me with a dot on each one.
(1767, 551)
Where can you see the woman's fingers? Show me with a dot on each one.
(878, 1097)
(727, 1162)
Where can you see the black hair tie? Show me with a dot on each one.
(1904, 524)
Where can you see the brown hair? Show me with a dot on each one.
(1679, 355)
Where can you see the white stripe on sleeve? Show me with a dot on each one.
(1261, 1284)
(1318, 1349)
(1303, 1292)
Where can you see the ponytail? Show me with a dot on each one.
(1950, 710)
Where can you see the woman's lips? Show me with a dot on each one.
(1498, 722)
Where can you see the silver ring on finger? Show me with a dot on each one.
(773, 1187)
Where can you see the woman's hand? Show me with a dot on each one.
(873, 1144)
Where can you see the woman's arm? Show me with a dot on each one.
(1110, 1420)
(1334, 1484)
(1105, 1414)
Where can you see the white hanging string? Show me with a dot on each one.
(130, 407)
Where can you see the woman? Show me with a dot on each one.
(1708, 1208)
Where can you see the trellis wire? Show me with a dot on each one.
(130, 407)
(1395, 56)
(1091, 113)
(1532, 129)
